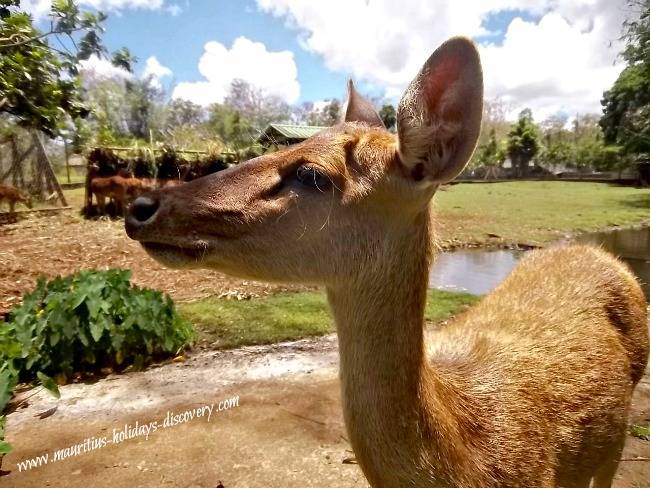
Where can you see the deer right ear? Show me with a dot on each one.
(439, 116)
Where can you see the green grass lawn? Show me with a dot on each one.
(75, 177)
(286, 316)
(75, 197)
(535, 211)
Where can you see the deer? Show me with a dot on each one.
(12, 195)
(530, 387)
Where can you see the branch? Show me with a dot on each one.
(34, 38)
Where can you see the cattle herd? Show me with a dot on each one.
(113, 183)
(121, 191)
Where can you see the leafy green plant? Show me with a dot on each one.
(83, 322)
(640, 431)
(89, 320)
(10, 350)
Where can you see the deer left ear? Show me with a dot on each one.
(359, 109)
(439, 116)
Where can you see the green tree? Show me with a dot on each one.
(231, 126)
(523, 143)
(256, 107)
(388, 115)
(38, 85)
(124, 107)
(145, 115)
(494, 120)
(184, 113)
(556, 153)
(637, 33)
(626, 110)
(626, 106)
(327, 116)
(331, 113)
(490, 155)
(107, 122)
(123, 58)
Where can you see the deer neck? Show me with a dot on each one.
(392, 398)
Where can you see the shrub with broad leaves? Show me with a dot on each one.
(84, 322)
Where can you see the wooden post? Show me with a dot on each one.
(46, 168)
(67, 158)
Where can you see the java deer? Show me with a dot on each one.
(13, 196)
(530, 388)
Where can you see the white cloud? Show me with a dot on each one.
(562, 62)
(275, 73)
(174, 9)
(153, 67)
(40, 8)
(108, 5)
(552, 66)
(97, 68)
(155, 71)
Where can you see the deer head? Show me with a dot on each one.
(320, 211)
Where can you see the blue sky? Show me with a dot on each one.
(554, 56)
(148, 33)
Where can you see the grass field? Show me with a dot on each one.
(75, 177)
(286, 316)
(75, 197)
(534, 211)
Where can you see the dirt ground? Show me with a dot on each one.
(64, 243)
(287, 431)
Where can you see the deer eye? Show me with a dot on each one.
(313, 178)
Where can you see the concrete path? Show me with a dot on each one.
(163, 427)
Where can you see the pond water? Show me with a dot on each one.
(477, 271)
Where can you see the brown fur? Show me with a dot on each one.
(530, 388)
(12, 195)
(119, 189)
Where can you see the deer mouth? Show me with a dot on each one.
(174, 255)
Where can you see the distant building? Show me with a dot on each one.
(285, 134)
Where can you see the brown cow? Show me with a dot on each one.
(119, 189)
(12, 195)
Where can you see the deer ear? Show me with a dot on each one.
(439, 116)
(359, 109)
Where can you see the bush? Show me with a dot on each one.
(90, 320)
(83, 322)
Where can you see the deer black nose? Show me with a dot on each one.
(142, 209)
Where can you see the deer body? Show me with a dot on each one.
(530, 388)
(13, 196)
(516, 392)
